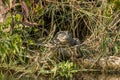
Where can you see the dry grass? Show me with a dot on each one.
(96, 24)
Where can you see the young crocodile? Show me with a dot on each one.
(65, 38)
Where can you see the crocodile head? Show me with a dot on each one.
(63, 36)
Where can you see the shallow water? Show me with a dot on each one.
(97, 76)
(78, 76)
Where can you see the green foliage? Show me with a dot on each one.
(10, 46)
(115, 4)
(97, 27)
(64, 69)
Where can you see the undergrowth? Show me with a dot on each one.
(95, 23)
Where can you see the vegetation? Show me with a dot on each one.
(28, 24)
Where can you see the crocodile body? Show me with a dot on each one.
(65, 38)
(63, 46)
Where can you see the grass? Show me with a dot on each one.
(96, 24)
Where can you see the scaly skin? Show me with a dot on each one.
(65, 38)
(60, 46)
